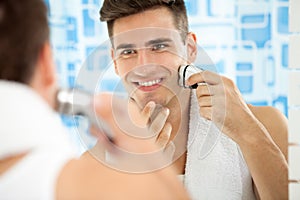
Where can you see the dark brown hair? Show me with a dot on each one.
(23, 32)
(115, 9)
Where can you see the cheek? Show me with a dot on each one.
(122, 68)
(170, 61)
(174, 63)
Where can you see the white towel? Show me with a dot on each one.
(29, 125)
(27, 121)
(215, 168)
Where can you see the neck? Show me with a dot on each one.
(179, 119)
(179, 113)
(47, 92)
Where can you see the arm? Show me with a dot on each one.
(275, 123)
(267, 161)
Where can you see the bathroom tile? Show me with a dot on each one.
(294, 16)
(294, 51)
(294, 162)
(294, 127)
(294, 88)
(294, 191)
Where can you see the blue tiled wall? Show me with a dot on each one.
(260, 35)
(247, 41)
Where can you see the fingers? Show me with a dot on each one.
(169, 151)
(161, 128)
(208, 77)
(205, 101)
(205, 96)
(204, 90)
(148, 110)
(209, 83)
(206, 112)
(164, 136)
(157, 128)
(158, 123)
(211, 95)
(140, 117)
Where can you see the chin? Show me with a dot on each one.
(143, 101)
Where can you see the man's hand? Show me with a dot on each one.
(154, 118)
(221, 102)
(139, 144)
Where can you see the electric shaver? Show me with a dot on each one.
(75, 102)
(185, 71)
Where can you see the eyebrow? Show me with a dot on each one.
(125, 46)
(149, 43)
(157, 41)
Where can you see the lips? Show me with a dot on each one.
(148, 85)
(147, 77)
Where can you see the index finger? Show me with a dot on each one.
(138, 116)
(148, 110)
(208, 77)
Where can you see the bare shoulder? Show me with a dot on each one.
(85, 178)
(88, 178)
(70, 181)
(276, 124)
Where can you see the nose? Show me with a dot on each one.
(144, 70)
(144, 57)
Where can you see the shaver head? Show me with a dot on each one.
(185, 71)
(63, 102)
(75, 102)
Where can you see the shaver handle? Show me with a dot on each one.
(77, 102)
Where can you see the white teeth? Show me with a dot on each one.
(149, 83)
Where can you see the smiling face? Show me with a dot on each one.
(147, 52)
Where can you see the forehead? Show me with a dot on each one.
(145, 26)
(143, 36)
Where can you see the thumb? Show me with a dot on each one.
(169, 151)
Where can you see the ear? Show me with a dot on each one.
(112, 54)
(45, 65)
(191, 47)
(44, 78)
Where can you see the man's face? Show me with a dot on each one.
(147, 52)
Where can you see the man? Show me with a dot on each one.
(37, 160)
(234, 150)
